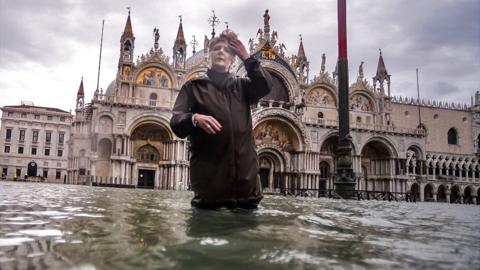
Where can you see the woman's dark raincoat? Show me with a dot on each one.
(223, 166)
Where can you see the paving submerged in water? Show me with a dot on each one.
(79, 227)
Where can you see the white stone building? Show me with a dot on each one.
(33, 142)
(400, 145)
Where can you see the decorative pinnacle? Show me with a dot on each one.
(128, 11)
(213, 22)
(226, 24)
(180, 16)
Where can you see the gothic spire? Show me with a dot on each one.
(179, 48)
(180, 40)
(382, 75)
(128, 25)
(301, 51)
(80, 89)
(381, 69)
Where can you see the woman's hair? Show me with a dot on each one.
(225, 36)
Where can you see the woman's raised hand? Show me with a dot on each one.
(239, 49)
(208, 123)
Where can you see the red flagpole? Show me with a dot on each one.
(345, 177)
(342, 29)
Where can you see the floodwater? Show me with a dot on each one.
(44, 226)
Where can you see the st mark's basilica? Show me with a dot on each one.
(400, 145)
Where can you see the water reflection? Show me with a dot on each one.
(77, 227)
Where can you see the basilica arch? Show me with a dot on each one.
(273, 165)
(378, 158)
(327, 160)
(279, 143)
(148, 139)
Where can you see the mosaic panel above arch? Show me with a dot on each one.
(277, 133)
(154, 77)
(320, 97)
(194, 75)
(150, 131)
(359, 102)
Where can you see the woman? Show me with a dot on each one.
(214, 112)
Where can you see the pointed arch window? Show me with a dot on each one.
(452, 136)
(153, 99)
(127, 50)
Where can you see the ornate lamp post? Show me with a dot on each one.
(345, 179)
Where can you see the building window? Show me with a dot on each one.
(48, 137)
(20, 149)
(10, 114)
(153, 99)
(62, 119)
(34, 151)
(37, 116)
(61, 138)
(58, 174)
(45, 173)
(60, 152)
(452, 136)
(47, 151)
(35, 136)
(9, 134)
(4, 172)
(7, 149)
(22, 135)
(24, 115)
(18, 173)
(49, 118)
(359, 119)
(320, 114)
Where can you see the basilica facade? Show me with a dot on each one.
(400, 145)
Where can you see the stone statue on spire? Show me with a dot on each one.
(266, 18)
(360, 71)
(156, 36)
(324, 59)
(266, 26)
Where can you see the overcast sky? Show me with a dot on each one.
(46, 46)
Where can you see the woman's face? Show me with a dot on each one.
(221, 56)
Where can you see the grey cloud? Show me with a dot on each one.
(440, 37)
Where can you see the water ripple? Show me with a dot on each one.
(79, 227)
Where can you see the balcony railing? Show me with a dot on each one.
(134, 101)
(365, 126)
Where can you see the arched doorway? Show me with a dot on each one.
(455, 195)
(441, 194)
(32, 169)
(276, 140)
(150, 155)
(271, 172)
(328, 152)
(428, 193)
(467, 195)
(149, 140)
(415, 191)
(377, 157)
(102, 168)
(324, 176)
